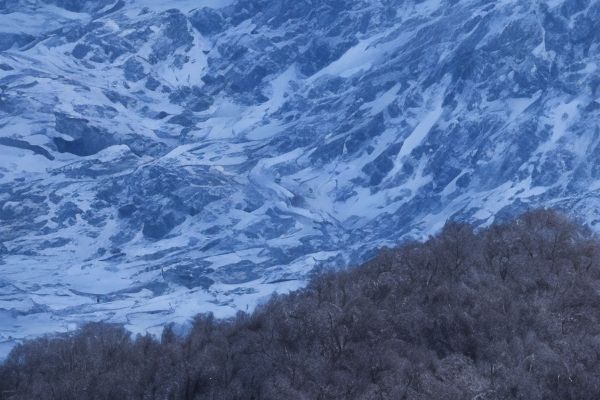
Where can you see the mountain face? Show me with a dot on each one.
(160, 159)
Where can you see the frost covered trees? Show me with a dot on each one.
(508, 312)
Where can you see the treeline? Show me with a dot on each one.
(509, 312)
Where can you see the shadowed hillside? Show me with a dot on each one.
(509, 312)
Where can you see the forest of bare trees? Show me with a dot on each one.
(507, 312)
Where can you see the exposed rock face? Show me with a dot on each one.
(191, 156)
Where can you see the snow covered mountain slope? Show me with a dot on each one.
(160, 159)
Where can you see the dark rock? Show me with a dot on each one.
(152, 84)
(87, 139)
(127, 210)
(241, 272)
(80, 50)
(159, 226)
(21, 144)
(190, 275)
(133, 70)
(207, 21)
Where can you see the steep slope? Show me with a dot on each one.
(164, 158)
